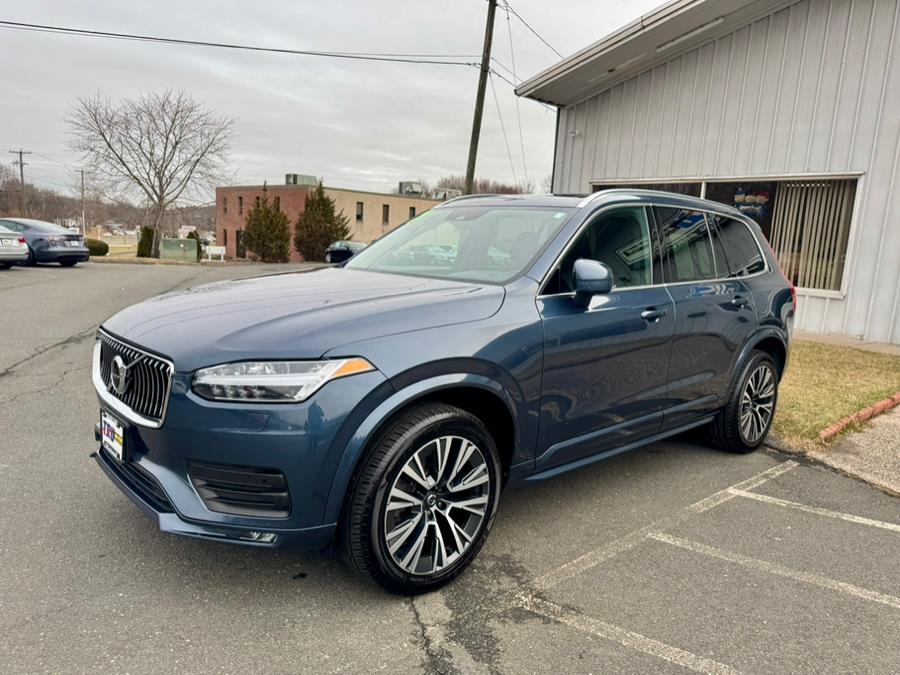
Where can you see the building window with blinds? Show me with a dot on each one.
(811, 229)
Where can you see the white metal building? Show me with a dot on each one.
(788, 110)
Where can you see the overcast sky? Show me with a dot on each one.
(356, 124)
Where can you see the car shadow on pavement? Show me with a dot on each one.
(538, 527)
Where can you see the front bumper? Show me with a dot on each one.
(309, 538)
(303, 441)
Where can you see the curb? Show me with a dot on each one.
(128, 260)
(860, 416)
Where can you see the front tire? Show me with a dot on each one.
(424, 501)
(743, 424)
(68, 263)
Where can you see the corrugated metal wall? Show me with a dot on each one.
(813, 88)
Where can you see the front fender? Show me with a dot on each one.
(406, 393)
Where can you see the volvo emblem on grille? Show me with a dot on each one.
(118, 375)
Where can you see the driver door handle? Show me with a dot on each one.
(652, 314)
(739, 301)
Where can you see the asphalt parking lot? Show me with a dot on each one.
(672, 558)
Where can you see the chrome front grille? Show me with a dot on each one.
(144, 387)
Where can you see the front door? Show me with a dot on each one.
(714, 313)
(605, 365)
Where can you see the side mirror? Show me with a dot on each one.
(591, 278)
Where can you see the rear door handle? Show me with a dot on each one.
(739, 301)
(652, 314)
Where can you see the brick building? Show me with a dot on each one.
(370, 214)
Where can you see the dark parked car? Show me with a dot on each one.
(340, 251)
(13, 248)
(383, 406)
(48, 242)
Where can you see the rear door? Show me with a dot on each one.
(714, 314)
(604, 381)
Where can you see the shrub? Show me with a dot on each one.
(145, 243)
(319, 225)
(196, 237)
(97, 247)
(267, 232)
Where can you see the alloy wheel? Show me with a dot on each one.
(437, 505)
(757, 404)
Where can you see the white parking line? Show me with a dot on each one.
(754, 481)
(849, 517)
(626, 638)
(617, 546)
(780, 570)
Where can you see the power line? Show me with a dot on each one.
(528, 26)
(506, 68)
(513, 85)
(503, 129)
(439, 59)
(512, 57)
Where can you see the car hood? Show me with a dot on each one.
(296, 315)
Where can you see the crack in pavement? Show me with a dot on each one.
(72, 339)
(46, 388)
(438, 661)
(81, 336)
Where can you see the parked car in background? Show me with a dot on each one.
(48, 242)
(340, 251)
(13, 248)
(382, 406)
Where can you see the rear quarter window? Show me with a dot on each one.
(738, 253)
(686, 244)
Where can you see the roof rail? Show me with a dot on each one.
(464, 197)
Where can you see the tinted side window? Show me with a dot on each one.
(739, 247)
(621, 240)
(686, 245)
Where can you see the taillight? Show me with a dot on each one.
(22, 240)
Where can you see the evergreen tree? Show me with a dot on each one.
(196, 237)
(319, 225)
(145, 243)
(268, 232)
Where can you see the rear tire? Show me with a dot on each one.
(5, 265)
(743, 424)
(424, 500)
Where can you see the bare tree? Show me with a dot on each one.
(156, 147)
(485, 186)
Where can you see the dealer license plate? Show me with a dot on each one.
(113, 436)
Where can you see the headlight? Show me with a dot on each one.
(273, 381)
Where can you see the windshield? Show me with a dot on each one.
(491, 244)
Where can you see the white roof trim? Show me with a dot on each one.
(671, 29)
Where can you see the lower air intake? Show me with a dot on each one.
(240, 490)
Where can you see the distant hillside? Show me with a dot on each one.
(52, 206)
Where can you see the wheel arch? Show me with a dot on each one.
(771, 341)
(501, 410)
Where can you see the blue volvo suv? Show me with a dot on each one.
(382, 406)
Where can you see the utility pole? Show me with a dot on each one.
(479, 98)
(83, 224)
(21, 164)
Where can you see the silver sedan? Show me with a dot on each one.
(12, 248)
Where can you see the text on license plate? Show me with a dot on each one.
(113, 436)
